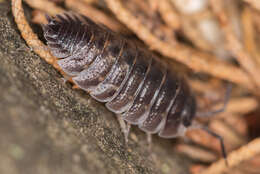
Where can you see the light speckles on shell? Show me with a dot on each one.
(131, 80)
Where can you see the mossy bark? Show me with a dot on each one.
(47, 127)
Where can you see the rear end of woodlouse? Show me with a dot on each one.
(134, 83)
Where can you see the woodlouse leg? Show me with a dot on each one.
(65, 79)
(75, 87)
(25, 48)
(222, 109)
(125, 127)
(149, 141)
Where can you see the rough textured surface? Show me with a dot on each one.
(46, 127)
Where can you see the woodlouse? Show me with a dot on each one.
(133, 82)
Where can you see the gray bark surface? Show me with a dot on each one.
(47, 127)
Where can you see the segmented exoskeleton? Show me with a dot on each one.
(132, 81)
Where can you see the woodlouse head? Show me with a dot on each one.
(189, 112)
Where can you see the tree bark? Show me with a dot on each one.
(47, 127)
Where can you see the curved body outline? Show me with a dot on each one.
(132, 81)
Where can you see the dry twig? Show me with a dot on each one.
(169, 14)
(190, 29)
(38, 17)
(27, 33)
(232, 138)
(245, 153)
(238, 105)
(198, 61)
(254, 3)
(151, 20)
(91, 1)
(47, 6)
(241, 105)
(197, 168)
(197, 153)
(250, 34)
(234, 45)
(96, 15)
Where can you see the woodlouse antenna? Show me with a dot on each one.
(197, 125)
(221, 141)
(48, 18)
(214, 112)
(222, 109)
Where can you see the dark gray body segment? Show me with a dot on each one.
(132, 81)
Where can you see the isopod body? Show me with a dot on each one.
(132, 81)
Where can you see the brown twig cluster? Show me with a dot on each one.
(218, 40)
